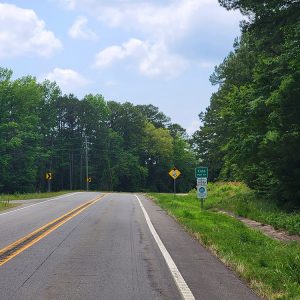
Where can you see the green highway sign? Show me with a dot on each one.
(201, 172)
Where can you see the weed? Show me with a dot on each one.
(242, 201)
(5, 199)
(271, 267)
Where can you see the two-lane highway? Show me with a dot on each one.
(113, 246)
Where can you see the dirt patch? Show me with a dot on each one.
(268, 230)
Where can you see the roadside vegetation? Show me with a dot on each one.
(242, 201)
(5, 204)
(130, 147)
(251, 130)
(271, 267)
(28, 196)
(5, 199)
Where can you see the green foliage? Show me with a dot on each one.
(30, 196)
(251, 131)
(5, 199)
(154, 116)
(238, 198)
(130, 148)
(270, 267)
(19, 144)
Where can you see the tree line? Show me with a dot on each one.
(130, 147)
(251, 130)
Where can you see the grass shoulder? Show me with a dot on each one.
(239, 199)
(5, 206)
(5, 199)
(270, 267)
(30, 196)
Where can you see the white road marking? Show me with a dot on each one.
(179, 280)
(52, 199)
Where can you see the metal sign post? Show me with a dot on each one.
(174, 173)
(201, 174)
(174, 189)
(48, 177)
(202, 194)
(88, 180)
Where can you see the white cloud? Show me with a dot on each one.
(163, 21)
(67, 79)
(170, 19)
(159, 62)
(153, 59)
(69, 4)
(22, 32)
(80, 30)
(161, 25)
(110, 55)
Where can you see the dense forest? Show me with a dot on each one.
(251, 130)
(129, 148)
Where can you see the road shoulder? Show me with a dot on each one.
(207, 277)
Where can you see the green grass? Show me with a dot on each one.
(239, 199)
(6, 205)
(28, 196)
(6, 198)
(271, 268)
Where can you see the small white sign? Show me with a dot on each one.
(202, 191)
(201, 181)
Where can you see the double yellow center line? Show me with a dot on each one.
(27, 241)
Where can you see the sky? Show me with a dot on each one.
(145, 52)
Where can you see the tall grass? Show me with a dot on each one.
(5, 199)
(5, 203)
(271, 268)
(239, 199)
(29, 196)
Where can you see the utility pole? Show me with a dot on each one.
(86, 164)
(81, 172)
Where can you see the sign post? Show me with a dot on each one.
(201, 174)
(88, 180)
(174, 173)
(48, 177)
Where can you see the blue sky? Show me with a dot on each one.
(146, 52)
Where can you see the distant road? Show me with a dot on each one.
(106, 246)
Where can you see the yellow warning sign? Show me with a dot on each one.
(48, 176)
(174, 173)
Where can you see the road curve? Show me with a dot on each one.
(104, 249)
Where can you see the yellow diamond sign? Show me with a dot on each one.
(174, 173)
(48, 176)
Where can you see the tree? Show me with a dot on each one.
(154, 116)
(252, 125)
(20, 141)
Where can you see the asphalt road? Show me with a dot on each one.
(105, 249)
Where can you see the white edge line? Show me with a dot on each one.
(179, 280)
(62, 196)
